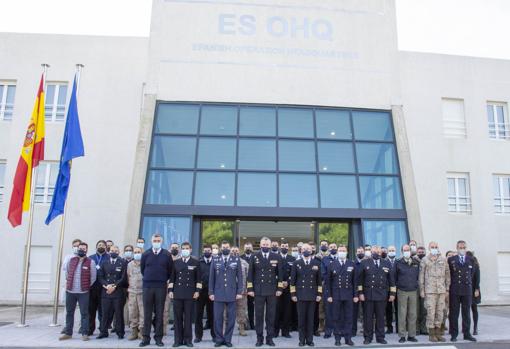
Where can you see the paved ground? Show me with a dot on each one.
(494, 334)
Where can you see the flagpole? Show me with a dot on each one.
(56, 290)
(28, 246)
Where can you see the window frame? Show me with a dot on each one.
(46, 167)
(496, 127)
(52, 118)
(456, 176)
(2, 184)
(501, 179)
(3, 99)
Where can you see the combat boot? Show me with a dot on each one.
(439, 335)
(432, 335)
(133, 335)
(242, 330)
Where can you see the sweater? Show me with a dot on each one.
(156, 268)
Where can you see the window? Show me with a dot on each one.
(376, 158)
(459, 197)
(169, 188)
(338, 191)
(2, 179)
(295, 122)
(215, 188)
(173, 152)
(47, 173)
(380, 192)
(55, 104)
(172, 229)
(501, 184)
(454, 120)
(217, 153)
(298, 190)
(333, 124)
(385, 233)
(335, 157)
(257, 154)
(218, 120)
(7, 92)
(256, 189)
(257, 121)
(177, 118)
(297, 156)
(372, 126)
(498, 120)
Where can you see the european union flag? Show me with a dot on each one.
(72, 147)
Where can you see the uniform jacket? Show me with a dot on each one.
(340, 282)
(376, 282)
(134, 277)
(306, 280)
(265, 275)
(461, 275)
(205, 269)
(407, 273)
(434, 275)
(113, 273)
(226, 281)
(287, 263)
(185, 279)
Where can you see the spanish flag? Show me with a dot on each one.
(31, 153)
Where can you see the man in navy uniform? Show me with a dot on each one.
(462, 270)
(360, 255)
(264, 283)
(185, 283)
(306, 290)
(340, 284)
(225, 287)
(247, 256)
(327, 259)
(203, 299)
(375, 280)
(284, 304)
(112, 276)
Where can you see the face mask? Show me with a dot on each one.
(306, 253)
(225, 251)
(360, 255)
(342, 254)
(185, 253)
(434, 251)
(75, 250)
(207, 254)
(392, 254)
(101, 250)
(384, 255)
(421, 255)
(248, 251)
(368, 253)
(333, 251)
(215, 251)
(274, 249)
(413, 248)
(140, 245)
(156, 245)
(295, 254)
(375, 256)
(114, 255)
(81, 253)
(264, 249)
(324, 248)
(174, 252)
(128, 254)
(407, 254)
(137, 256)
(284, 250)
(461, 252)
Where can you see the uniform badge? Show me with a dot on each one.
(350, 269)
(315, 267)
(118, 269)
(385, 269)
(191, 267)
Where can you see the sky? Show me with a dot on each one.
(462, 27)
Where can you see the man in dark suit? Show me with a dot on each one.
(375, 282)
(225, 287)
(96, 289)
(203, 299)
(391, 307)
(306, 290)
(360, 255)
(462, 271)
(264, 282)
(283, 303)
(247, 256)
(156, 267)
(112, 276)
(185, 283)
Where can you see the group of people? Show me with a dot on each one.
(277, 289)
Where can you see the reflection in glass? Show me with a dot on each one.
(295, 122)
(173, 152)
(333, 124)
(298, 190)
(376, 158)
(169, 187)
(380, 192)
(385, 233)
(172, 229)
(296, 155)
(214, 188)
(335, 157)
(218, 120)
(257, 154)
(338, 191)
(257, 121)
(372, 126)
(177, 118)
(256, 189)
(217, 153)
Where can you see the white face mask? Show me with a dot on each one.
(368, 253)
(342, 254)
(434, 251)
(215, 251)
(413, 248)
(461, 251)
(75, 250)
(185, 253)
(140, 245)
(295, 254)
(156, 245)
(392, 254)
(407, 254)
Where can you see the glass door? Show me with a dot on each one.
(291, 232)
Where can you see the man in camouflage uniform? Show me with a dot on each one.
(135, 295)
(434, 285)
(242, 304)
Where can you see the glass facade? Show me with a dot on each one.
(235, 159)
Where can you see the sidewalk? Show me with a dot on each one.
(494, 327)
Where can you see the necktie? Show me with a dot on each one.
(307, 262)
(461, 259)
(377, 264)
(225, 261)
(342, 263)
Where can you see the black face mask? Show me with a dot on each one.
(264, 249)
(284, 250)
(375, 256)
(274, 249)
(420, 256)
(333, 251)
(101, 250)
(81, 253)
(384, 255)
(174, 252)
(114, 255)
(360, 255)
(225, 251)
(324, 248)
(248, 251)
(207, 254)
(306, 253)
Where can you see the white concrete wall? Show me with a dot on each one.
(109, 108)
(426, 78)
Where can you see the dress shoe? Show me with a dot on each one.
(412, 339)
(259, 343)
(228, 344)
(101, 336)
(317, 334)
(189, 345)
(85, 338)
(475, 332)
(469, 338)
(217, 345)
(301, 344)
(197, 340)
(120, 336)
(286, 335)
(402, 340)
(453, 339)
(338, 343)
(367, 341)
(160, 343)
(310, 344)
(64, 337)
(382, 341)
(144, 344)
(175, 345)
(389, 330)
(269, 341)
(349, 342)
(326, 336)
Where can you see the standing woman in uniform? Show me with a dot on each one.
(477, 297)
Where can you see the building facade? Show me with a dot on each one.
(239, 119)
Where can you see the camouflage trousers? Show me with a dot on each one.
(435, 305)
(242, 311)
(167, 314)
(135, 306)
